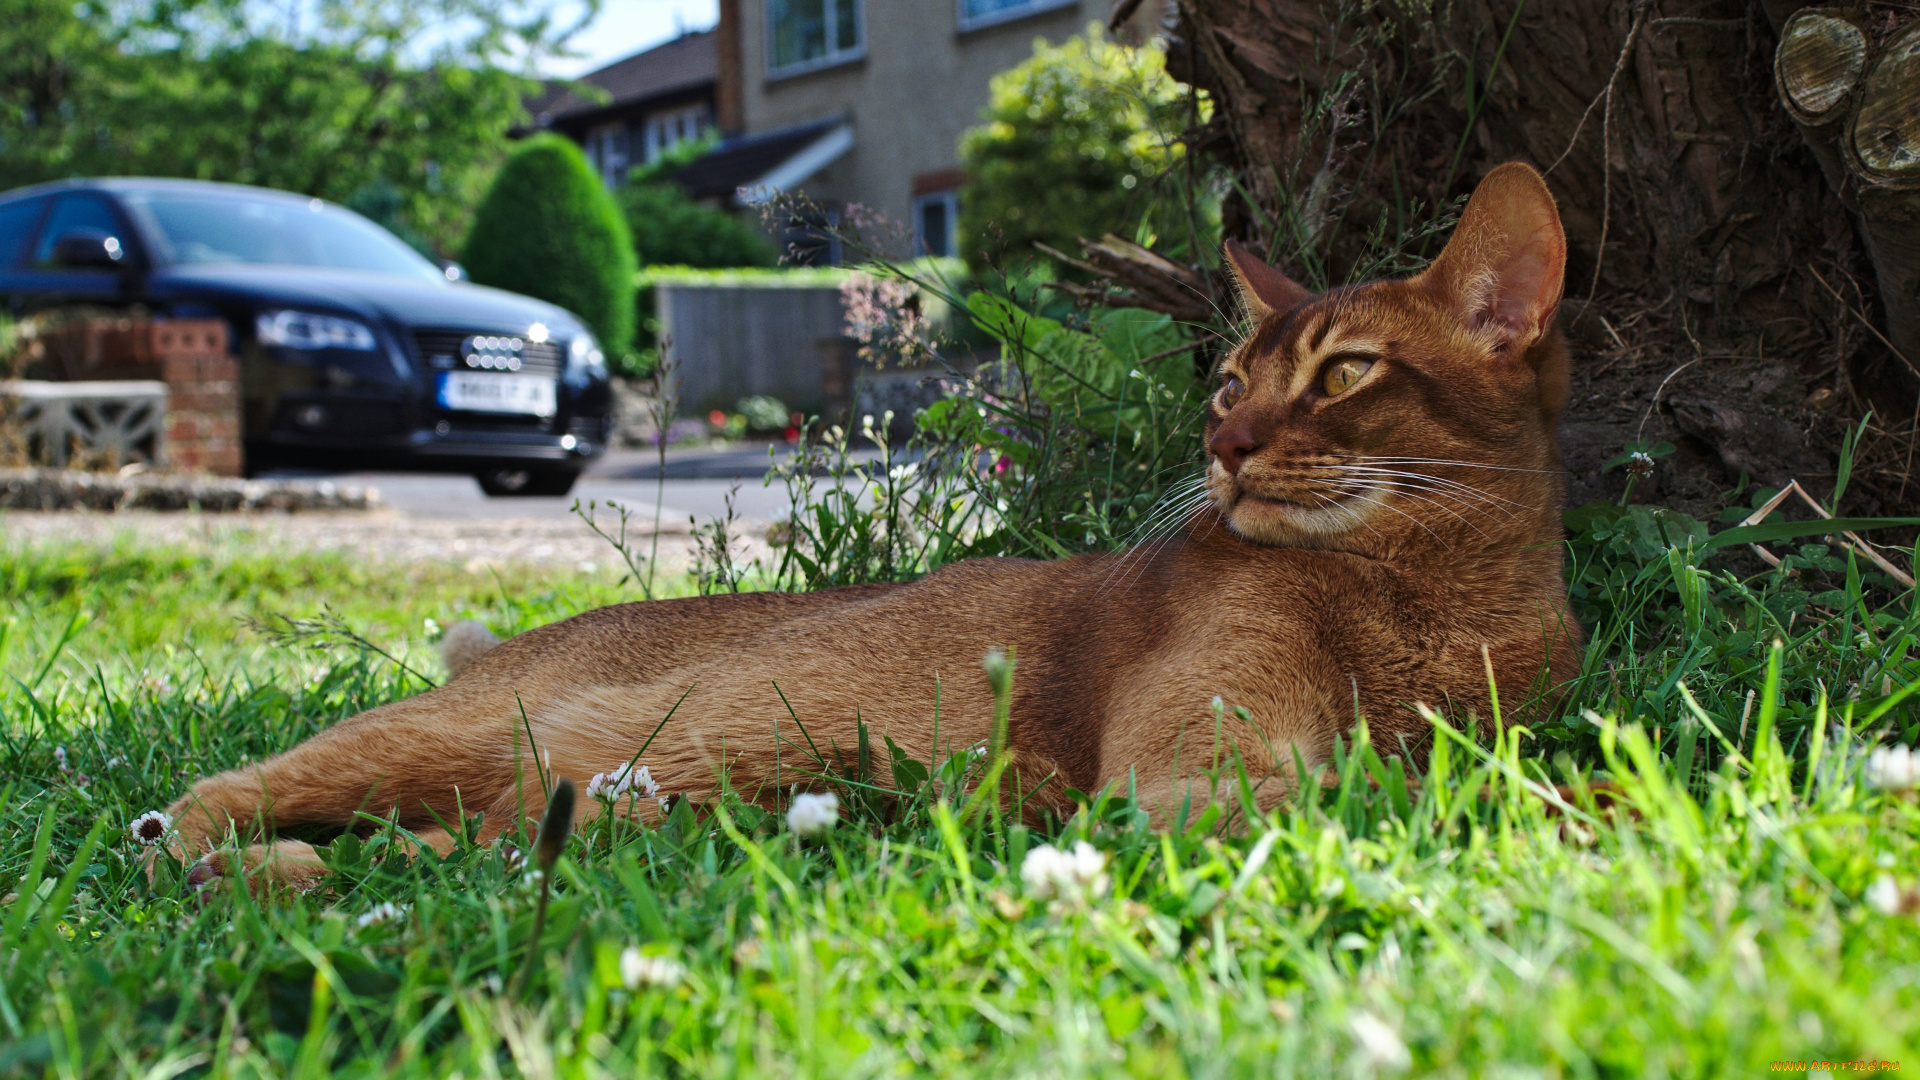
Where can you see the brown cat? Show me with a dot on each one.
(1383, 522)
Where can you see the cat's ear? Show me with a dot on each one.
(1507, 262)
(1263, 289)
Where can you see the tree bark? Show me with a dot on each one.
(1742, 235)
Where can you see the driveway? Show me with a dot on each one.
(695, 485)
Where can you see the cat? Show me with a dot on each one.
(1380, 527)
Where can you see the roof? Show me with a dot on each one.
(688, 62)
(747, 159)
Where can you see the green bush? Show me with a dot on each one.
(1071, 141)
(549, 229)
(670, 229)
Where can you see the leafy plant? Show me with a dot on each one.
(549, 229)
(670, 229)
(1070, 142)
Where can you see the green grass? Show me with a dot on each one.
(1716, 927)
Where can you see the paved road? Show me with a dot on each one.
(696, 484)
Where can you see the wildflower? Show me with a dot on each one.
(621, 782)
(1050, 872)
(150, 828)
(384, 911)
(811, 815)
(1380, 1047)
(1887, 897)
(637, 969)
(1894, 768)
(1640, 463)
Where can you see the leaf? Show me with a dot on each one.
(1768, 531)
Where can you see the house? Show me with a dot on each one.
(846, 101)
(646, 104)
(888, 86)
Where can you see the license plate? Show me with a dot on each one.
(473, 391)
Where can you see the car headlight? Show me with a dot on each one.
(584, 358)
(307, 330)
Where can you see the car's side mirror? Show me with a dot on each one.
(453, 270)
(94, 248)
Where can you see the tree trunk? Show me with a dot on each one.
(1744, 236)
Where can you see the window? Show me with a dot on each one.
(809, 34)
(977, 13)
(16, 222)
(663, 131)
(195, 229)
(606, 150)
(70, 213)
(935, 217)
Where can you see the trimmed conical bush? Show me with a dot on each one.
(547, 228)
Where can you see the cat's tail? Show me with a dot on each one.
(463, 643)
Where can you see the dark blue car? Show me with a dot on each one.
(355, 351)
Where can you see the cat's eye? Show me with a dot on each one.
(1232, 392)
(1343, 375)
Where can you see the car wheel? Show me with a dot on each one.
(501, 483)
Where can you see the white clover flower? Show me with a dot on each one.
(621, 782)
(1884, 895)
(1380, 1047)
(637, 969)
(1893, 768)
(811, 815)
(1049, 872)
(150, 828)
(384, 911)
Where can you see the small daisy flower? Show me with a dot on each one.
(1883, 895)
(1892, 768)
(811, 815)
(1381, 1049)
(621, 782)
(150, 828)
(637, 969)
(1049, 872)
(385, 911)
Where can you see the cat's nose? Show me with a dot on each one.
(1232, 443)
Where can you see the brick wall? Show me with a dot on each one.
(203, 395)
(202, 432)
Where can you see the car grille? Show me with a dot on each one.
(476, 350)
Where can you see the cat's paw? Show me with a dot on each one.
(285, 866)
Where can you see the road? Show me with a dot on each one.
(428, 516)
(697, 481)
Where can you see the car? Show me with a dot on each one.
(355, 351)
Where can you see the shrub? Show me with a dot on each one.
(1072, 138)
(549, 229)
(670, 229)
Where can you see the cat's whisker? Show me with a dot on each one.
(1166, 519)
(1371, 487)
(1455, 464)
(1385, 505)
(1431, 483)
(1358, 518)
(1422, 476)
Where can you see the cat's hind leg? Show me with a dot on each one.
(426, 760)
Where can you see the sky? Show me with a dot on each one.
(627, 26)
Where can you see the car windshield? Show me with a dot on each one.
(196, 229)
